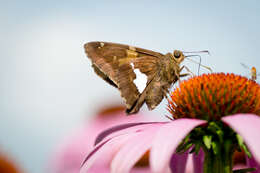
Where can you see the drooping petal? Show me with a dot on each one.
(198, 161)
(132, 151)
(178, 162)
(121, 129)
(140, 170)
(106, 148)
(248, 126)
(251, 163)
(189, 165)
(167, 139)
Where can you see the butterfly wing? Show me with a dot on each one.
(116, 64)
(103, 75)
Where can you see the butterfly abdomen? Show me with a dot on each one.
(156, 93)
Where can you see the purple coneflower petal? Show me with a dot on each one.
(107, 149)
(251, 163)
(132, 151)
(167, 138)
(178, 162)
(140, 170)
(131, 130)
(198, 161)
(248, 126)
(122, 129)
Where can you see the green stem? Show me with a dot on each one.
(220, 162)
(227, 156)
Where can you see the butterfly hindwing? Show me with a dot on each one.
(103, 75)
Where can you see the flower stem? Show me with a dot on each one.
(220, 161)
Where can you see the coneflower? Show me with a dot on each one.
(214, 115)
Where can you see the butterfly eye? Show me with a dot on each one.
(177, 54)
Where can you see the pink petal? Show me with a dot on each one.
(106, 148)
(189, 165)
(178, 162)
(248, 126)
(251, 163)
(96, 169)
(114, 129)
(141, 170)
(132, 129)
(131, 152)
(167, 139)
(71, 151)
(198, 161)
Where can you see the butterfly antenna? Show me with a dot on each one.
(201, 51)
(245, 66)
(199, 66)
(206, 67)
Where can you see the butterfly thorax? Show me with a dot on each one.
(170, 68)
(167, 75)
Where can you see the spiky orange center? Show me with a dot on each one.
(212, 96)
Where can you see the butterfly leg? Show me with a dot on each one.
(188, 70)
(165, 93)
(183, 74)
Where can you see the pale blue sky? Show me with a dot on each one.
(47, 85)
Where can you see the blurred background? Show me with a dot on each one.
(48, 87)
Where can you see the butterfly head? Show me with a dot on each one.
(178, 56)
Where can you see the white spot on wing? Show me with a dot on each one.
(140, 80)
